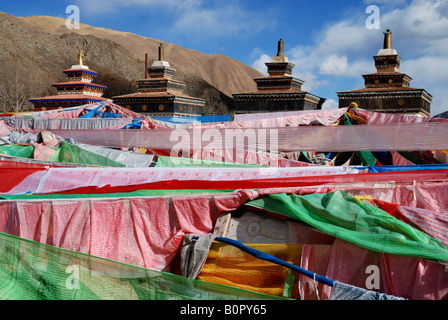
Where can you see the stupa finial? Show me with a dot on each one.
(80, 57)
(280, 57)
(387, 39)
(161, 53)
(280, 48)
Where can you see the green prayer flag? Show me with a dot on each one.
(355, 221)
(33, 271)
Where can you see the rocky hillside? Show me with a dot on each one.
(35, 50)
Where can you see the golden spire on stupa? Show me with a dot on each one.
(80, 56)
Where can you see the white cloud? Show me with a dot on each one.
(420, 28)
(259, 64)
(348, 37)
(440, 100)
(341, 66)
(427, 70)
(330, 104)
(306, 68)
(311, 80)
(335, 65)
(430, 73)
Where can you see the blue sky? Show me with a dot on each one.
(327, 40)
